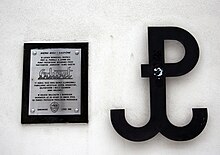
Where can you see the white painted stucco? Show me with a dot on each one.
(117, 34)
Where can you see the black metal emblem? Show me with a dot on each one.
(157, 70)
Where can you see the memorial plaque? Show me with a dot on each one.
(55, 81)
(55, 77)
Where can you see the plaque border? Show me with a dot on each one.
(32, 119)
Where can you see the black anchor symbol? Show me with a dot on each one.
(157, 70)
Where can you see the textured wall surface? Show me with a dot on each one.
(117, 33)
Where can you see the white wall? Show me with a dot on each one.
(117, 33)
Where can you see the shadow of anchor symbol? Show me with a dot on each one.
(157, 70)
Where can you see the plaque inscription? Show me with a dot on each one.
(55, 81)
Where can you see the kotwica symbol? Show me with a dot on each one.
(157, 70)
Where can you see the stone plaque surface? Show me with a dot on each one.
(55, 83)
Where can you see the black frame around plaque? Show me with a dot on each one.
(31, 119)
